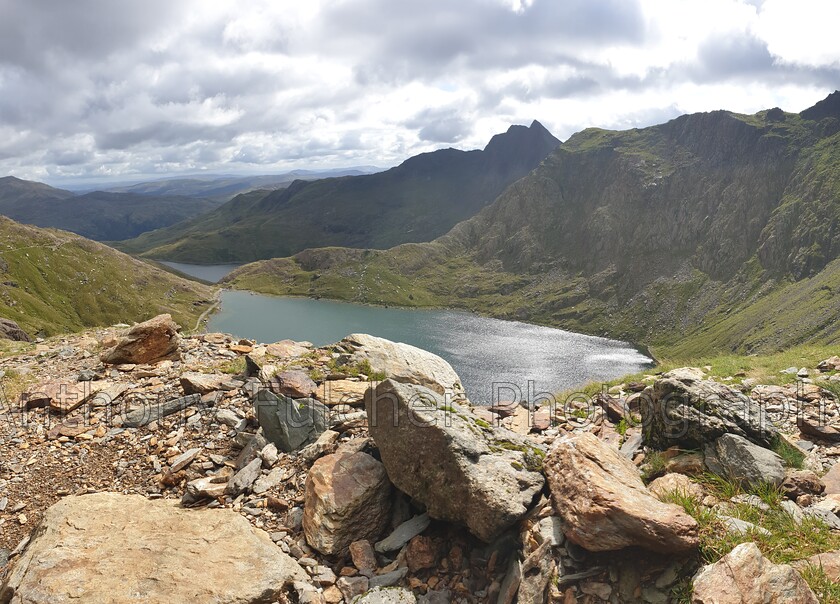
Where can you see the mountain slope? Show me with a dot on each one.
(98, 215)
(52, 281)
(418, 200)
(692, 236)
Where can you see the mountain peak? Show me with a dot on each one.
(828, 107)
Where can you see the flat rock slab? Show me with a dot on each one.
(148, 342)
(120, 549)
(146, 414)
(343, 392)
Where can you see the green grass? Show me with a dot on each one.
(55, 282)
(826, 590)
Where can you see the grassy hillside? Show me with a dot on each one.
(52, 281)
(712, 232)
(98, 215)
(417, 201)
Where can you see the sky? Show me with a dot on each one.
(105, 90)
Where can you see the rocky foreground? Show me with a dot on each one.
(137, 464)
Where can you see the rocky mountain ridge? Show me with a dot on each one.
(714, 231)
(418, 200)
(295, 445)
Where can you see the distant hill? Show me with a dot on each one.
(53, 281)
(98, 215)
(712, 232)
(418, 200)
(225, 187)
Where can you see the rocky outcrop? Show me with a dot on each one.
(9, 330)
(288, 423)
(748, 464)
(403, 363)
(148, 342)
(348, 499)
(744, 576)
(604, 504)
(117, 548)
(683, 408)
(462, 469)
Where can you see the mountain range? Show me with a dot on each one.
(419, 200)
(713, 231)
(96, 215)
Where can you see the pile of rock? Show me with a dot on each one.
(284, 464)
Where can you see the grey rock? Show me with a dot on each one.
(86, 375)
(269, 481)
(793, 510)
(550, 529)
(269, 455)
(244, 478)
(435, 596)
(632, 445)
(146, 414)
(290, 424)
(378, 595)
(752, 501)
(827, 517)
(736, 526)
(748, 463)
(227, 417)
(389, 579)
(404, 533)
(254, 444)
(683, 408)
(184, 459)
(537, 571)
(4, 556)
(510, 584)
(352, 587)
(437, 452)
(10, 330)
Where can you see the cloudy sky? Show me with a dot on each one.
(101, 89)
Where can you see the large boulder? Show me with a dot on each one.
(148, 342)
(118, 548)
(748, 464)
(347, 499)
(290, 424)
(403, 363)
(293, 383)
(744, 576)
(463, 469)
(604, 504)
(683, 408)
(9, 330)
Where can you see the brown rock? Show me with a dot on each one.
(201, 383)
(293, 383)
(604, 504)
(802, 482)
(831, 480)
(816, 429)
(829, 562)
(352, 586)
(362, 554)
(744, 576)
(285, 349)
(61, 396)
(690, 464)
(154, 340)
(342, 392)
(676, 483)
(347, 499)
(115, 548)
(242, 348)
(420, 553)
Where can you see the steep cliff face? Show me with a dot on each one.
(654, 234)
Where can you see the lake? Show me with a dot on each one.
(483, 351)
(212, 273)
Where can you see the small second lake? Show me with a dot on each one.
(213, 273)
(483, 351)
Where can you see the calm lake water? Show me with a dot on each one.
(209, 272)
(483, 351)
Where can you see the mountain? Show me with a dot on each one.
(98, 215)
(52, 281)
(224, 187)
(714, 231)
(418, 200)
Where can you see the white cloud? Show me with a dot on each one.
(90, 88)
